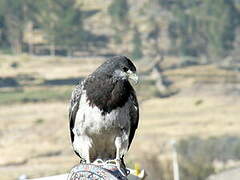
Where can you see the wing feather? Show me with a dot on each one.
(134, 116)
(74, 106)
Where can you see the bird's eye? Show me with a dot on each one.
(125, 69)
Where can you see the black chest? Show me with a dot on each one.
(107, 93)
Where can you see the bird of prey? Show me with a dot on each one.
(104, 112)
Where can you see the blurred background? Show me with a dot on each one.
(187, 53)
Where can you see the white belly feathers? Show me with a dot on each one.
(91, 120)
(96, 132)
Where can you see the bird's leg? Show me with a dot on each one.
(87, 155)
(82, 145)
(118, 144)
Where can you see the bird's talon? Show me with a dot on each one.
(127, 171)
(124, 172)
(98, 162)
(113, 162)
(83, 161)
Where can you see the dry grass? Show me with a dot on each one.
(34, 137)
(48, 67)
(32, 132)
(207, 74)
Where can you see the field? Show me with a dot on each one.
(34, 136)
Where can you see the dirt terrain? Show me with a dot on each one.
(34, 136)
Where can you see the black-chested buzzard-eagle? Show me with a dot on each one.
(104, 112)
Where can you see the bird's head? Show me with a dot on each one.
(119, 67)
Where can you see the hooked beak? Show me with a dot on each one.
(132, 76)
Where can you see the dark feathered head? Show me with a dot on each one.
(119, 67)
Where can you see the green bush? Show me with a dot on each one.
(197, 155)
